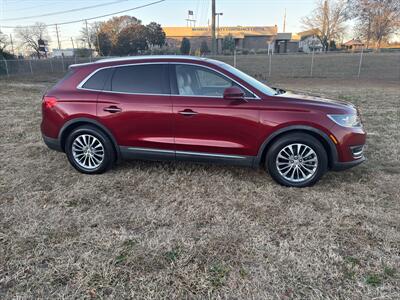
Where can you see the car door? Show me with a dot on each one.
(136, 106)
(205, 124)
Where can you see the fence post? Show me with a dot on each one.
(234, 57)
(51, 65)
(5, 62)
(312, 62)
(62, 62)
(361, 59)
(269, 65)
(30, 66)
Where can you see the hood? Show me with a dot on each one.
(318, 101)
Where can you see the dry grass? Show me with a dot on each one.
(180, 230)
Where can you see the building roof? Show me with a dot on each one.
(310, 32)
(235, 31)
(354, 42)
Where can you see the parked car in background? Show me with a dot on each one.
(197, 109)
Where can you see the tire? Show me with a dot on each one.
(89, 150)
(296, 160)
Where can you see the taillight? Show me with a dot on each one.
(49, 102)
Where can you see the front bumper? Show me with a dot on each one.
(340, 166)
(52, 143)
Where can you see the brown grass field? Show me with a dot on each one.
(150, 230)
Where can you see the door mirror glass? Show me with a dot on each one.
(234, 93)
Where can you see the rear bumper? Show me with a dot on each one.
(52, 143)
(340, 166)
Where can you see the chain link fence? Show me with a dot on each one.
(383, 66)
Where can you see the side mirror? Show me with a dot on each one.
(234, 93)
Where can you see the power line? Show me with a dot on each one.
(63, 12)
(27, 8)
(92, 18)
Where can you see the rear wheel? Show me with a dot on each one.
(297, 160)
(89, 150)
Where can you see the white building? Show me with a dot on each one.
(63, 52)
(308, 41)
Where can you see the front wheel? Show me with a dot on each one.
(297, 160)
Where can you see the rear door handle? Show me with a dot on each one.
(188, 112)
(112, 109)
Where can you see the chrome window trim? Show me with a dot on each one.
(80, 85)
(125, 93)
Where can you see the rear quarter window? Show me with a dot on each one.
(67, 75)
(98, 79)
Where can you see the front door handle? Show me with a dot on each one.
(188, 112)
(112, 109)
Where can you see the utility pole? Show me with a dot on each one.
(12, 44)
(72, 41)
(58, 38)
(218, 14)
(213, 41)
(87, 35)
(88, 39)
(98, 43)
(217, 34)
(325, 26)
(284, 22)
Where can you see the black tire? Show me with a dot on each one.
(292, 138)
(108, 152)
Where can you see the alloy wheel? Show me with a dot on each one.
(297, 162)
(88, 151)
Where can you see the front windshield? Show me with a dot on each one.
(252, 81)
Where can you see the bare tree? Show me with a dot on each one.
(3, 41)
(29, 36)
(327, 21)
(377, 20)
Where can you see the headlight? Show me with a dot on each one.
(351, 120)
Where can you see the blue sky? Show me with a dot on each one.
(167, 13)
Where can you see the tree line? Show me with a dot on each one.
(125, 35)
(375, 22)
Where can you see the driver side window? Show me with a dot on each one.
(199, 81)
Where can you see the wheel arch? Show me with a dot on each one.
(74, 123)
(326, 142)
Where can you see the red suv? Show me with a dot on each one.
(197, 109)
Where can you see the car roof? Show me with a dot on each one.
(149, 58)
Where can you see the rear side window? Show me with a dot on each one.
(98, 79)
(141, 79)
